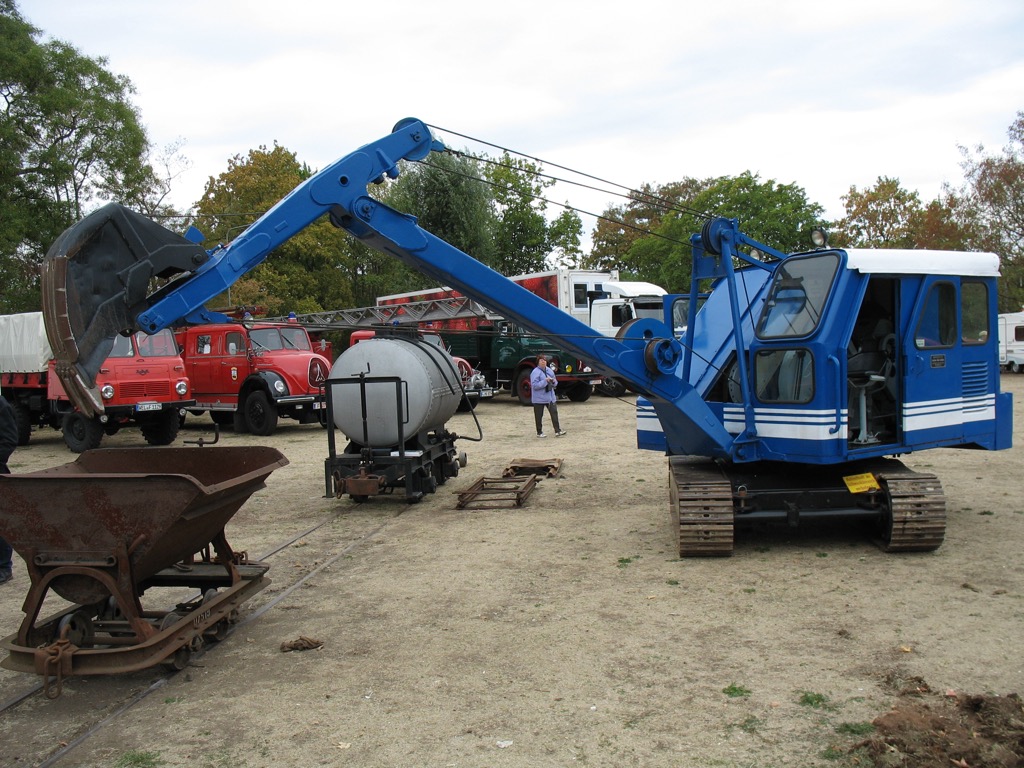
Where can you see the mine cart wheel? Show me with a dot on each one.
(218, 631)
(23, 418)
(80, 432)
(359, 498)
(260, 414)
(79, 629)
(163, 429)
(179, 660)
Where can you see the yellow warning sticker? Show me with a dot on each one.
(861, 483)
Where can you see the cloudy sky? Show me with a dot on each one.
(819, 93)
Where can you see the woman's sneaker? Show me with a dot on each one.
(561, 433)
(541, 434)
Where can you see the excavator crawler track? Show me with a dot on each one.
(702, 508)
(917, 520)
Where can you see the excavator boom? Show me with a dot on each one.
(98, 272)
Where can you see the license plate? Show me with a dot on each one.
(318, 406)
(148, 407)
(486, 393)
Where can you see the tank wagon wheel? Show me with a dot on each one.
(260, 414)
(80, 432)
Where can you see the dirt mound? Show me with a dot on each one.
(926, 730)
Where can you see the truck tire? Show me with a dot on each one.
(81, 433)
(260, 414)
(223, 418)
(163, 429)
(611, 387)
(580, 392)
(23, 418)
(523, 390)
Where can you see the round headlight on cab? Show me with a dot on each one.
(107, 391)
(280, 388)
(181, 388)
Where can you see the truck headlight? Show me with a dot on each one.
(181, 388)
(586, 369)
(280, 388)
(107, 391)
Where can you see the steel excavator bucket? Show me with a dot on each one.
(96, 279)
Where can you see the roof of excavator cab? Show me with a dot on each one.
(897, 261)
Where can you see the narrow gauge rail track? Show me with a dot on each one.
(108, 712)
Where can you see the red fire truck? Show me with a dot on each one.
(251, 373)
(142, 382)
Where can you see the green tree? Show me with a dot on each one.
(69, 138)
(448, 197)
(311, 271)
(620, 226)
(521, 238)
(992, 207)
(883, 216)
(779, 215)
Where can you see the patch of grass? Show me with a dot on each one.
(624, 561)
(749, 590)
(672, 582)
(987, 512)
(137, 759)
(734, 691)
(855, 729)
(821, 554)
(814, 700)
(833, 753)
(751, 724)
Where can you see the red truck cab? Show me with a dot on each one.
(142, 382)
(250, 374)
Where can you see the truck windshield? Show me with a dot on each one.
(122, 347)
(160, 344)
(280, 338)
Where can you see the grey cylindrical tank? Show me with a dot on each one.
(430, 389)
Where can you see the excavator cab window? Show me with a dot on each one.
(974, 311)
(937, 326)
(800, 288)
(784, 376)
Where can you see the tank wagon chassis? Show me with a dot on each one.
(907, 508)
(417, 464)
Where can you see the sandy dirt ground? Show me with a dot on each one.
(566, 632)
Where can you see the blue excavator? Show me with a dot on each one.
(782, 394)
